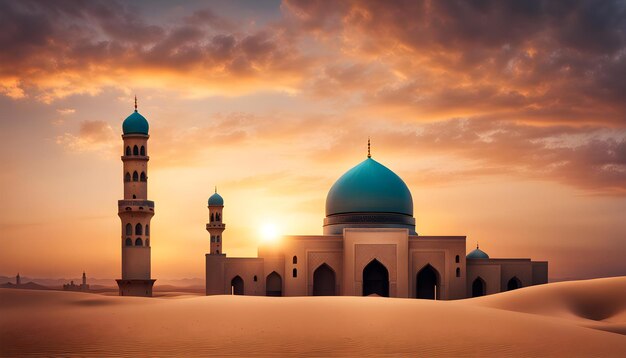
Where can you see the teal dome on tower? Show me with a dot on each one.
(369, 187)
(135, 123)
(216, 200)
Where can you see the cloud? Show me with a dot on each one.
(92, 136)
(58, 49)
(66, 111)
(10, 87)
(466, 58)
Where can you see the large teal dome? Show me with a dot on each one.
(369, 187)
(135, 124)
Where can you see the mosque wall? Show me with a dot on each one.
(220, 271)
(511, 268)
(388, 246)
(300, 256)
(488, 271)
(540, 272)
(440, 252)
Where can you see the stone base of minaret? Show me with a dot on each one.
(142, 288)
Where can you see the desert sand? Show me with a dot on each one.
(567, 319)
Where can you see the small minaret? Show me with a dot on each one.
(216, 227)
(135, 210)
(18, 280)
(84, 279)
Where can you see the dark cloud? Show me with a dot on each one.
(538, 54)
(100, 40)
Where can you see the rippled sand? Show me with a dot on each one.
(571, 319)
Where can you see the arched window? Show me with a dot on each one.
(138, 242)
(129, 229)
(135, 150)
(458, 272)
(143, 176)
(211, 217)
(142, 151)
(212, 238)
(135, 176)
(127, 177)
(294, 273)
(134, 196)
(148, 242)
(217, 252)
(128, 150)
(254, 278)
(129, 242)
(217, 216)
(147, 230)
(295, 260)
(138, 230)
(217, 238)
(457, 259)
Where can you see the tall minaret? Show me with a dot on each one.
(135, 210)
(84, 279)
(216, 227)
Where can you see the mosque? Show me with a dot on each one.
(369, 245)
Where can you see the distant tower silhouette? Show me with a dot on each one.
(18, 279)
(84, 279)
(135, 210)
(216, 227)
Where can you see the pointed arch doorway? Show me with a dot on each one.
(324, 281)
(427, 284)
(478, 287)
(513, 284)
(236, 285)
(274, 285)
(375, 279)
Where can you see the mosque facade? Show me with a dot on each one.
(369, 244)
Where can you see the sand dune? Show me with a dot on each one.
(550, 320)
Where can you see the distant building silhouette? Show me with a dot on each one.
(73, 287)
(18, 280)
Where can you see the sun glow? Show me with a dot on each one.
(269, 233)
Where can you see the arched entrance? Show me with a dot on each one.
(427, 283)
(236, 285)
(478, 287)
(513, 284)
(375, 279)
(324, 281)
(273, 284)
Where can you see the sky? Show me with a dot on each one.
(506, 119)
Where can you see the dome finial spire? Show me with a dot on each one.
(216, 188)
(476, 245)
(135, 103)
(369, 153)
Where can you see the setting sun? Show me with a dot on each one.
(269, 233)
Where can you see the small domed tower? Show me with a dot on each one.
(135, 210)
(216, 227)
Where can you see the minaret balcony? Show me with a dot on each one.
(134, 157)
(135, 205)
(215, 225)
